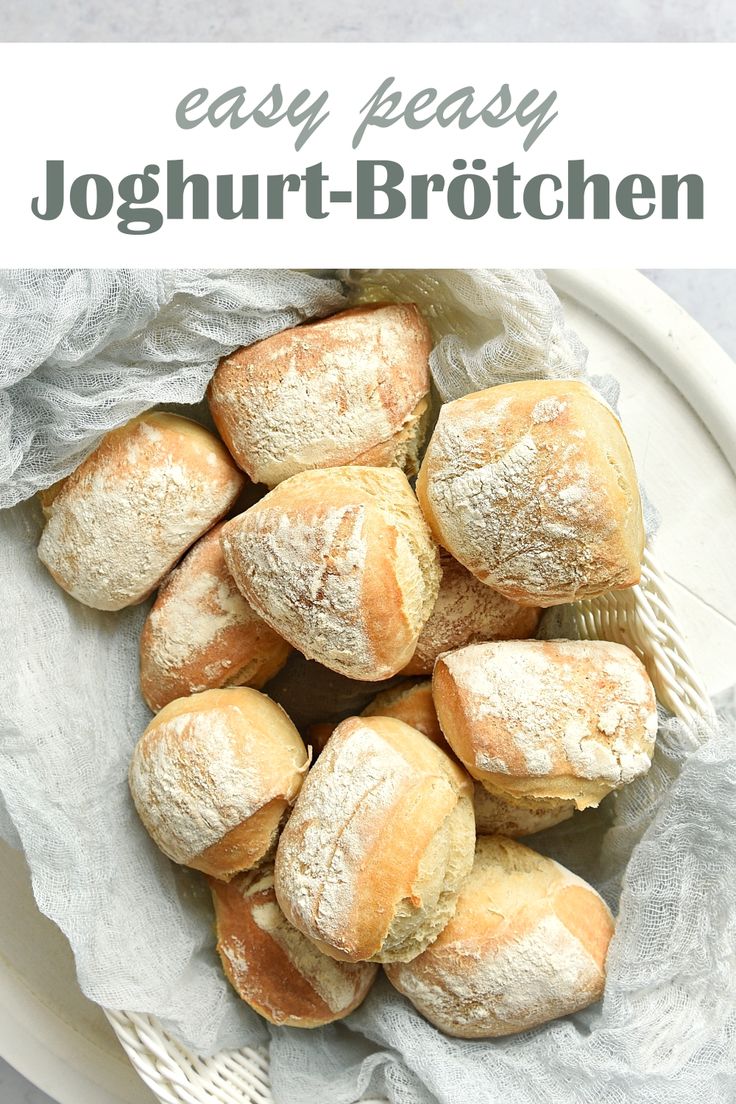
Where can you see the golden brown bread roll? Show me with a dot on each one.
(371, 859)
(527, 943)
(561, 720)
(410, 702)
(497, 814)
(272, 966)
(349, 389)
(467, 611)
(119, 523)
(213, 777)
(532, 487)
(341, 564)
(201, 634)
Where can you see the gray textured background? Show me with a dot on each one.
(375, 21)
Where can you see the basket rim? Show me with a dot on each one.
(668, 336)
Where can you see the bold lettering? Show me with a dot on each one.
(276, 186)
(577, 184)
(79, 196)
(54, 193)
(176, 183)
(533, 196)
(367, 189)
(137, 190)
(626, 196)
(671, 196)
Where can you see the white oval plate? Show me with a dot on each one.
(678, 403)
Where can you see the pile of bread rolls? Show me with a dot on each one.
(387, 838)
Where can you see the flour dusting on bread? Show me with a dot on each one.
(548, 709)
(335, 826)
(532, 487)
(348, 389)
(126, 515)
(195, 783)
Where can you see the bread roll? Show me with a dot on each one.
(467, 611)
(341, 564)
(410, 702)
(201, 634)
(272, 966)
(532, 487)
(567, 720)
(119, 523)
(496, 814)
(350, 389)
(213, 776)
(527, 943)
(371, 860)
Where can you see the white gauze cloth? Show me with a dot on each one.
(83, 352)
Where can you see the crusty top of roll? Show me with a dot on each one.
(369, 863)
(467, 611)
(207, 763)
(117, 524)
(527, 943)
(571, 719)
(532, 487)
(347, 389)
(341, 564)
(201, 633)
(272, 966)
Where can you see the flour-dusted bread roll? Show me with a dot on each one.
(410, 702)
(340, 563)
(350, 389)
(119, 523)
(560, 720)
(467, 611)
(527, 943)
(213, 777)
(272, 966)
(201, 634)
(371, 859)
(532, 487)
(496, 814)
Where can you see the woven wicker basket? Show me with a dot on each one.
(641, 617)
